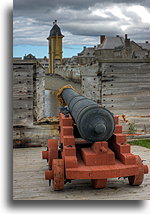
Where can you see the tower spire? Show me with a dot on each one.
(55, 46)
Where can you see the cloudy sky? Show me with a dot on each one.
(81, 22)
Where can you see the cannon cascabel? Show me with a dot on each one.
(94, 123)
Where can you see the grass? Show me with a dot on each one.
(142, 142)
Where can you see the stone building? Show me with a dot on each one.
(119, 48)
(55, 46)
(111, 49)
(86, 56)
(114, 48)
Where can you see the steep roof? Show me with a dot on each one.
(55, 30)
(87, 52)
(112, 43)
(145, 45)
(29, 56)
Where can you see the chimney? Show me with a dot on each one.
(127, 41)
(102, 38)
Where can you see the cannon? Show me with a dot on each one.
(91, 145)
(94, 123)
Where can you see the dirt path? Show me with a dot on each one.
(29, 183)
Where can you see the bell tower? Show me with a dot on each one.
(55, 47)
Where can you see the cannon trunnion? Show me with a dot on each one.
(97, 151)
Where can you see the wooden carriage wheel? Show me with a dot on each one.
(52, 151)
(136, 180)
(58, 174)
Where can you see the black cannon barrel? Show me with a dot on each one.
(94, 123)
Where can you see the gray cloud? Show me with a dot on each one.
(72, 4)
(81, 21)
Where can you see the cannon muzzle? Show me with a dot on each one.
(94, 123)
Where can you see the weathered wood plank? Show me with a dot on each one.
(22, 112)
(22, 117)
(19, 74)
(35, 134)
(20, 65)
(22, 121)
(22, 80)
(131, 112)
(120, 86)
(16, 133)
(125, 107)
(126, 80)
(23, 87)
(36, 131)
(124, 99)
(126, 90)
(126, 71)
(23, 103)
